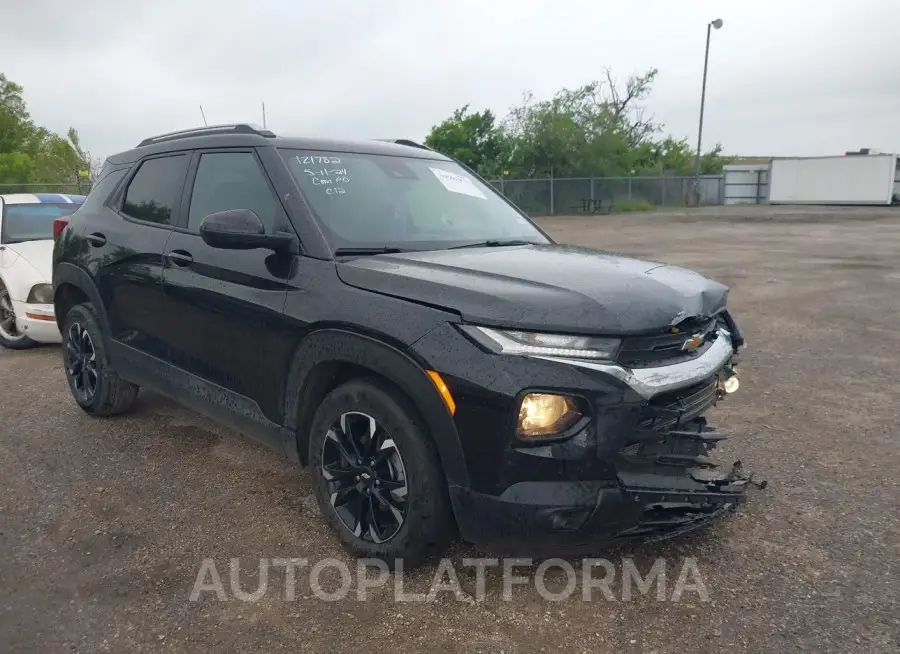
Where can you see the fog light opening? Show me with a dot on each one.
(568, 519)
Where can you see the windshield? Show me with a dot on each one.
(32, 222)
(374, 201)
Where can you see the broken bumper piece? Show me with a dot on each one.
(671, 508)
(666, 486)
(680, 488)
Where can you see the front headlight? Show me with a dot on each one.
(40, 294)
(542, 344)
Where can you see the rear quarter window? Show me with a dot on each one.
(102, 189)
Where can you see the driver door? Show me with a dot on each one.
(228, 331)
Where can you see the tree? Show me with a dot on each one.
(583, 131)
(628, 117)
(474, 139)
(16, 129)
(56, 161)
(712, 162)
(33, 154)
(15, 168)
(88, 167)
(598, 129)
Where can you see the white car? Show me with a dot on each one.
(26, 252)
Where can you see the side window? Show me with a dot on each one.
(231, 180)
(102, 189)
(155, 191)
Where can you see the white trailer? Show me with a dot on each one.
(843, 179)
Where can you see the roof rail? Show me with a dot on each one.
(407, 142)
(237, 128)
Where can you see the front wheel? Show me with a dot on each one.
(10, 335)
(377, 476)
(96, 387)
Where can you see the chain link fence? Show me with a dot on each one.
(546, 197)
(561, 196)
(78, 188)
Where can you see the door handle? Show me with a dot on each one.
(180, 257)
(96, 239)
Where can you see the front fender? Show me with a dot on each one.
(19, 277)
(333, 345)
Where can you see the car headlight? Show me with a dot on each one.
(40, 294)
(542, 344)
(546, 415)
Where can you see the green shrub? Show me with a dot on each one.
(628, 206)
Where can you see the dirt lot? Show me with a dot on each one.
(104, 525)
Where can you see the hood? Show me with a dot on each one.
(38, 253)
(542, 287)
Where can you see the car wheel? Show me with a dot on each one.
(377, 476)
(10, 336)
(94, 384)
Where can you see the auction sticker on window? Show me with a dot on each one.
(457, 183)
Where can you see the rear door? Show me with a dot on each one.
(127, 245)
(226, 306)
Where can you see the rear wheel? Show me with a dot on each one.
(10, 335)
(377, 476)
(96, 387)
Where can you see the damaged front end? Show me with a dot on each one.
(670, 474)
(665, 465)
(637, 465)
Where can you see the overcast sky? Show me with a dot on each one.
(786, 77)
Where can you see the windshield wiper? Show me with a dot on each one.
(362, 252)
(492, 244)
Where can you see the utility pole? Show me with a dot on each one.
(264, 114)
(717, 23)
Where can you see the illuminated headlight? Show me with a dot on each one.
(546, 415)
(40, 294)
(541, 344)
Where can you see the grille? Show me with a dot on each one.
(670, 409)
(665, 349)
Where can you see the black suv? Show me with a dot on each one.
(377, 311)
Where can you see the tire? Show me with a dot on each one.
(10, 337)
(108, 394)
(426, 528)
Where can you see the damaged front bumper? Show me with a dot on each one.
(665, 488)
(639, 468)
(665, 482)
(679, 487)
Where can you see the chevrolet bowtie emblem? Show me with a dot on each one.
(692, 343)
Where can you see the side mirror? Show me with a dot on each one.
(240, 229)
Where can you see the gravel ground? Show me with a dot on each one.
(104, 525)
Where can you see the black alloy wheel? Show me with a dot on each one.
(95, 384)
(81, 362)
(365, 476)
(377, 476)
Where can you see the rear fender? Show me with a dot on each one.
(67, 273)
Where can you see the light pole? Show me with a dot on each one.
(717, 23)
